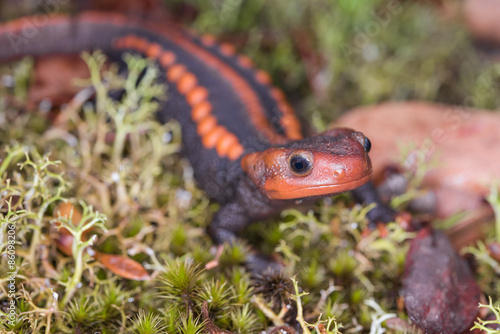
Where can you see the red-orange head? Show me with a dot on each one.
(322, 165)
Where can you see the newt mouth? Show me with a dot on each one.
(318, 190)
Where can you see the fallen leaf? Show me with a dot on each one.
(120, 265)
(54, 77)
(64, 243)
(64, 240)
(67, 210)
(441, 295)
(123, 266)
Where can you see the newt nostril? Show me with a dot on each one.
(338, 173)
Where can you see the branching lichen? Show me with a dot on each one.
(489, 326)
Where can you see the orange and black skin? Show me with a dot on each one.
(240, 134)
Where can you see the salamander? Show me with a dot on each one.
(241, 136)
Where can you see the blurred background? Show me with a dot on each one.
(333, 55)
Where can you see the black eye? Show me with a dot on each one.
(300, 165)
(367, 145)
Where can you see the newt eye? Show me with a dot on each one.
(300, 165)
(367, 145)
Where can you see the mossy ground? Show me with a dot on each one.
(146, 204)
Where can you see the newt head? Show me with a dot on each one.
(326, 164)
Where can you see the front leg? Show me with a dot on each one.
(229, 221)
(367, 194)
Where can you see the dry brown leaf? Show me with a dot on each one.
(441, 295)
(123, 266)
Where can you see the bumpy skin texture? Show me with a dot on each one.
(239, 132)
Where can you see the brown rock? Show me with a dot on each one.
(441, 295)
(465, 143)
(481, 18)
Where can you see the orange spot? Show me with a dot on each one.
(245, 61)
(289, 121)
(167, 58)
(206, 125)
(277, 94)
(225, 143)
(208, 40)
(285, 108)
(210, 138)
(201, 110)
(227, 49)
(140, 44)
(175, 72)
(197, 95)
(235, 151)
(186, 83)
(153, 51)
(263, 77)
(292, 126)
(127, 42)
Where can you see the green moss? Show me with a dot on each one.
(485, 325)
(148, 323)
